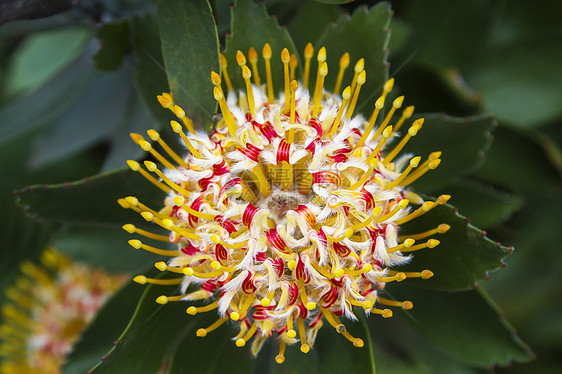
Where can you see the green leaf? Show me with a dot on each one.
(73, 202)
(253, 27)
(113, 37)
(464, 255)
(466, 325)
(483, 204)
(12, 10)
(190, 48)
(309, 23)
(463, 143)
(104, 329)
(363, 35)
(334, 1)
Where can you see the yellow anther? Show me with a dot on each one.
(135, 243)
(292, 265)
(443, 228)
(140, 279)
(308, 53)
(234, 316)
(432, 243)
(240, 58)
(407, 305)
(228, 118)
(310, 305)
(201, 333)
(247, 74)
(291, 333)
(358, 343)
(293, 66)
(215, 78)
(426, 274)
(215, 265)
(400, 277)
(344, 63)
(322, 72)
(379, 104)
(359, 67)
(162, 300)
(412, 131)
(161, 265)
(388, 86)
(321, 57)
(253, 58)
(397, 103)
(294, 87)
(177, 128)
(386, 313)
(267, 57)
(286, 58)
(305, 348)
(265, 302)
(191, 310)
(240, 342)
(188, 272)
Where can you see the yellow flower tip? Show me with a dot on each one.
(188, 272)
(252, 55)
(179, 112)
(132, 200)
(176, 127)
(321, 54)
(163, 101)
(443, 199)
(135, 243)
(217, 93)
(387, 132)
(240, 58)
(161, 265)
(133, 165)
(240, 342)
(136, 137)
(291, 333)
(266, 53)
(344, 60)
(432, 243)
(234, 316)
(388, 85)
(215, 239)
(349, 233)
(397, 103)
(324, 69)
(140, 279)
(426, 274)
(339, 273)
(223, 61)
(346, 94)
(341, 328)
(433, 164)
(400, 277)
(201, 333)
(294, 61)
(379, 104)
(414, 162)
(310, 305)
(294, 86)
(265, 302)
(179, 200)
(292, 264)
(367, 304)
(162, 300)
(215, 265)
(403, 203)
(308, 51)
(279, 359)
(215, 79)
(358, 343)
(427, 206)
(147, 216)
(367, 268)
(168, 223)
(153, 134)
(246, 73)
(408, 112)
(386, 313)
(151, 166)
(362, 77)
(409, 242)
(285, 56)
(123, 203)
(191, 310)
(305, 348)
(407, 305)
(359, 66)
(443, 228)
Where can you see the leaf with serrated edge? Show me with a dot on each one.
(190, 48)
(253, 27)
(464, 255)
(363, 35)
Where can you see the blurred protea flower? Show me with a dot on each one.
(48, 307)
(288, 214)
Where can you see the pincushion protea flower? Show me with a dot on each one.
(49, 306)
(288, 214)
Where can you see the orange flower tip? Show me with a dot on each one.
(409, 242)
(408, 111)
(407, 305)
(308, 50)
(324, 69)
(443, 228)
(426, 274)
(133, 165)
(178, 111)
(341, 328)
(434, 155)
(147, 216)
(234, 316)
(215, 238)
(132, 200)
(240, 58)
(161, 265)
(432, 243)
(215, 78)
(360, 65)
(279, 359)
(240, 342)
(397, 103)
(400, 277)
(386, 313)
(140, 279)
(321, 54)
(291, 334)
(443, 199)
(136, 137)
(362, 77)
(215, 265)
(176, 127)
(346, 94)
(162, 300)
(388, 85)
(403, 203)
(367, 304)
(310, 305)
(339, 273)
(201, 333)
(344, 60)
(292, 264)
(123, 203)
(151, 166)
(265, 302)
(218, 93)
(163, 101)
(135, 243)
(153, 134)
(414, 162)
(188, 272)
(285, 56)
(179, 200)
(305, 348)
(358, 343)
(266, 53)
(223, 61)
(191, 310)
